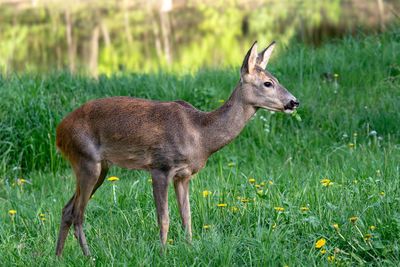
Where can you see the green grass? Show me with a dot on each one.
(294, 155)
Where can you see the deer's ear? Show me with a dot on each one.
(263, 57)
(249, 62)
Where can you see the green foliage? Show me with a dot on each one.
(293, 155)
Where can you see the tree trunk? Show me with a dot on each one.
(128, 32)
(166, 29)
(106, 35)
(94, 51)
(68, 26)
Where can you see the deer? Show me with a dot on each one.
(172, 140)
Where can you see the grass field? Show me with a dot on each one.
(349, 134)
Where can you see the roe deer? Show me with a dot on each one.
(171, 140)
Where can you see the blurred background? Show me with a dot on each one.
(99, 36)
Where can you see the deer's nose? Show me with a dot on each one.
(292, 104)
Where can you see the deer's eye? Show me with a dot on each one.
(267, 84)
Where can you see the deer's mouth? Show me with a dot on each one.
(291, 106)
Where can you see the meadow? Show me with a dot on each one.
(315, 190)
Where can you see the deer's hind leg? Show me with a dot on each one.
(89, 176)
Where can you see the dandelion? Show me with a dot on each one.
(41, 215)
(320, 243)
(245, 200)
(13, 184)
(234, 209)
(355, 181)
(335, 75)
(92, 196)
(331, 258)
(271, 183)
(114, 179)
(335, 225)
(257, 186)
(43, 219)
(323, 251)
(12, 212)
(355, 134)
(230, 164)
(259, 192)
(206, 227)
(150, 180)
(325, 181)
(382, 193)
(372, 227)
(252, 180)
(262, 184)
(353, 219)
(238, 198)
(274, 226)
(368, 235)
(170, 240)
(303, 208)
(221, 101)
(351, 144)
(378, 171)
(222, 205)
(279, 208)
(206, 193)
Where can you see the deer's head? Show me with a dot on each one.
(259, 88)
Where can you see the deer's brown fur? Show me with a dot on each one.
(171, 140)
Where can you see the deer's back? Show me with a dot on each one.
(133, 133)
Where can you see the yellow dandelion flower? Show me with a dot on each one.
(13, 184)
(259, 192)
(113, 178)
(325, 181)
(378, 171)
(382, 193)
(206, 193)
(22, 180)
(43, 219)
(230, 164)
(335, 75)
(355, 134)
(323, 251)
(257, 186)
(351, 144)
(335, 225)
(279, 208)
(150, 180)
(295, 240)
(304, 208)
(372, 227)
(252, 180)
(206, 227)
(355, 181)
(331, 258)
(170, 240)
(92, 196)
(262, 184)
(234, 209)
(221, 101)
(271, 183)
(368, 235)
(329, 184)
(340, 185)
(245, 200)
(353, 219)
(41, 215)
(320, 243)
(238, 198)
(12, 212)
(274, 226)
(221, 205)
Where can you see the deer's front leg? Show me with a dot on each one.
(182, 196)
(160, 192)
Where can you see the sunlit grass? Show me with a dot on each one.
(314, 185)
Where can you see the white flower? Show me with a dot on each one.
(373, 133)
(380, 138)
(345, 135)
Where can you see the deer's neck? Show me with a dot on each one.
(225, 123)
